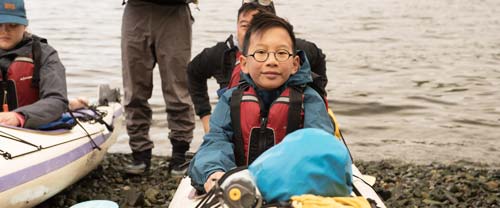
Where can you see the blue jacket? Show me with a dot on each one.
(217, 150)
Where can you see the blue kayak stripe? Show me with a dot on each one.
(30, 173)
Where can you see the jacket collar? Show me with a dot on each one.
(231, 42)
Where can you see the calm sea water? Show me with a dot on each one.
(415, 80)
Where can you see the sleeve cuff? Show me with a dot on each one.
(20, 118)
(204, 114)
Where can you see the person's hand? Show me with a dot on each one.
(205, 120)
(212, 179)
(9, 118)
(78, 103)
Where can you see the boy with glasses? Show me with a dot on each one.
(32, 78)
(272, 99)
(221, 61)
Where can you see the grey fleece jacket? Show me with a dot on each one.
(53, 100)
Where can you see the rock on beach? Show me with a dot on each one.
(399, 184)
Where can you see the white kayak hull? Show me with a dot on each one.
(30, 178)
(184, 196)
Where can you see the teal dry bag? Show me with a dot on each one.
(307, 161)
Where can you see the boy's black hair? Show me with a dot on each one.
(264, 21)
(252, 6)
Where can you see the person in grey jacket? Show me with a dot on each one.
(32, 79)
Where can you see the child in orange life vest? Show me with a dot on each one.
(252, 117)
(32, 78)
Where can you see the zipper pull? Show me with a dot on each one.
(5, 106)
(263, 124)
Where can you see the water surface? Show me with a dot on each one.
(415, 80)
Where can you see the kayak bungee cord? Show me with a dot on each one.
(5, 154)
(345, 144)
(17, 139)
(97, 117)
(92, 142)
(210, 199)
(86, 117)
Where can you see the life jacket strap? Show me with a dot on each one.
(295, 109)
(239, 152)
(37, 61)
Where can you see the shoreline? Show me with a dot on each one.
(400, 184)
(413, 81)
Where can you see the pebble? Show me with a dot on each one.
(399, 184)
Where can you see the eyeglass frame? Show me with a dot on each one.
(274, 52)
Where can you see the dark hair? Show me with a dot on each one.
(264, 21)
(252, 6)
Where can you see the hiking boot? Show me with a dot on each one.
(178, 164)
(136, 168)
(140, 164)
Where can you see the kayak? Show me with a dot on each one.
(185, 195)
(36, 165)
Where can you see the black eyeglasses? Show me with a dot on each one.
(261, 2)
(262, 55)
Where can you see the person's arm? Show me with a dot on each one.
(317, 60)
(216, 154)
(53, 100)
(200, 69)
(205, 121)
(315, 112)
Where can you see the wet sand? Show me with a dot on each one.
(411, 80)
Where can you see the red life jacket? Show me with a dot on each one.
(235, 75)
(19, 84)
(17, 90)
(254, 133)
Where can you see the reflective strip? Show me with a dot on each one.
(278, 100)
(25, 59)
(253, 98)
(249, 98)
(283, 99)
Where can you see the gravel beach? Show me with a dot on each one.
(414, 81)
(400, 184)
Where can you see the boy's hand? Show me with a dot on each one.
(9, 118)
(212, 179)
